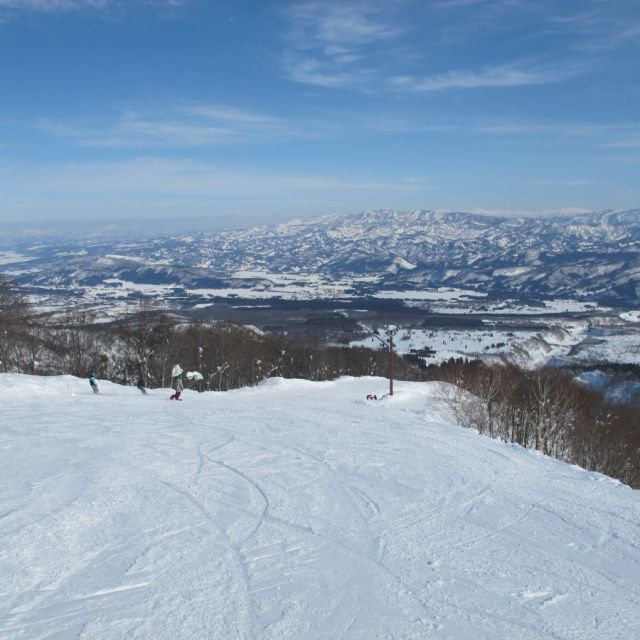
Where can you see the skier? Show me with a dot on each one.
(140, 386)
(93, 381)
(176, 382)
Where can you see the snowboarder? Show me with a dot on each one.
(140, 386)
(93, 381)
(176, 382)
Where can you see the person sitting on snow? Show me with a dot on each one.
(197, 377)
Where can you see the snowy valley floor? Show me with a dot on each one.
(297, 510)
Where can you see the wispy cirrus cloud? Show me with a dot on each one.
(388, 46)
(51, 5)
(186, 125)
(597, 135)
(339, 44)
(581, 23)
(592, 135)
(508, 75)
(60, 6)
(568, 183)
(631, 141)
(328, 25)
(192, 125)
(160, 175)
(595, 26)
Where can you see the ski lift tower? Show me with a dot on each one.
(391, 331)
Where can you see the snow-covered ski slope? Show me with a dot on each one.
(297, 510)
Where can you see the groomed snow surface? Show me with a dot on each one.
(297, 510)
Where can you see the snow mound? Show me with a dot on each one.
(295, 510)
(630, 316)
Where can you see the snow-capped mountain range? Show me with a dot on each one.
(588, 257)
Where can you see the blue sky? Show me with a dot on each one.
(261, 111)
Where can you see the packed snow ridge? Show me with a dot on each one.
(297, 510)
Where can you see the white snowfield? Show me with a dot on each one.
(297, 510)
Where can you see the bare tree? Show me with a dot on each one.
(147, 332)
(35, 336)
(79, 342)
(554, 409)
(14, 312)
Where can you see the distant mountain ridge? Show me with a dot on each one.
(594, 256)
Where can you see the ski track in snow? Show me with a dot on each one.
(297, 510)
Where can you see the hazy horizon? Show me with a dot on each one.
(142, 227)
